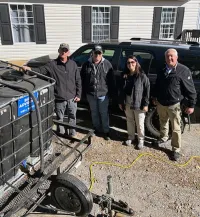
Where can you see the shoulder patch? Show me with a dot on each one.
(189, 77)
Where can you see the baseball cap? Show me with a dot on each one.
(64, 46)
(98, 48)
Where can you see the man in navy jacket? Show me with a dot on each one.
(174, 84)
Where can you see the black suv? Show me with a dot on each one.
(150, 54)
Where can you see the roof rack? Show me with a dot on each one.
(189, 42)
(152, 39)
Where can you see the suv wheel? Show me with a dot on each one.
(153, 125)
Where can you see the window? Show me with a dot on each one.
(22, 22)
(100, 23)
(83, 56)
(146, 60)
(167, 23)
(193, 63)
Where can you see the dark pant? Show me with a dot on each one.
(68, 108)
(99, 112)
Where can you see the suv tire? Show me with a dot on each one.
(153, 125)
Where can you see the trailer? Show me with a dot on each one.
(30, 164)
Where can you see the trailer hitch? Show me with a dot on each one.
(108, 205)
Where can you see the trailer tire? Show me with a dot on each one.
(153, 125)
(70, 194)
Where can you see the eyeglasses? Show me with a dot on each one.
(131, 62)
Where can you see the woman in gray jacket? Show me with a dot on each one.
(134, 99)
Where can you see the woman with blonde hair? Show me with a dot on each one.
(134, 99)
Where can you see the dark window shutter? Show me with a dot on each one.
(5, 25)
(86, 24)
(179, 21)
(114, 23)
(156, 22)
(39, 23)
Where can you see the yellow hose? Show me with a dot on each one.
(92, 179)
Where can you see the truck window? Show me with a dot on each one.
(146, 60)
(193, 63)
(82, 57)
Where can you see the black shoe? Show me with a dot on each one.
(175, 156)
(106, 136)
(97, 133)
(157, 142)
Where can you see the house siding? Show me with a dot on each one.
(191, 14)
(135, 21)
(63, 24)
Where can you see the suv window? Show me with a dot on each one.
(146, 60)
(193, 63)
(82, 57)
(108, 54)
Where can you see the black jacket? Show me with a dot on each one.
(98, 81)
(173, 87)
(67, 76)
(140, 91)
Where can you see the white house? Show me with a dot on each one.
(34, 28)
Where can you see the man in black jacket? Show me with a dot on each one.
(98, 82)
(173, 85)
(67, 89)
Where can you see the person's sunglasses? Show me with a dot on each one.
(131, 62)
(97, 53)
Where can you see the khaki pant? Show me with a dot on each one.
(135, 117)
(172, 113)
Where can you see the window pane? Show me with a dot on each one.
(108, 54)
(29, 8)
(106, 21)
(14, 14)
(15, 20)
(82, 57)
(21, 7)
(30, 20)
(22, 20)
(146, 60)
(21, 13)
(193, 63)
(101, 10)
(87, 51)
(29, 14)
(13, 7)
(107, 9)
(23, 33)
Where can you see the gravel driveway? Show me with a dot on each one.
(151, 187)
